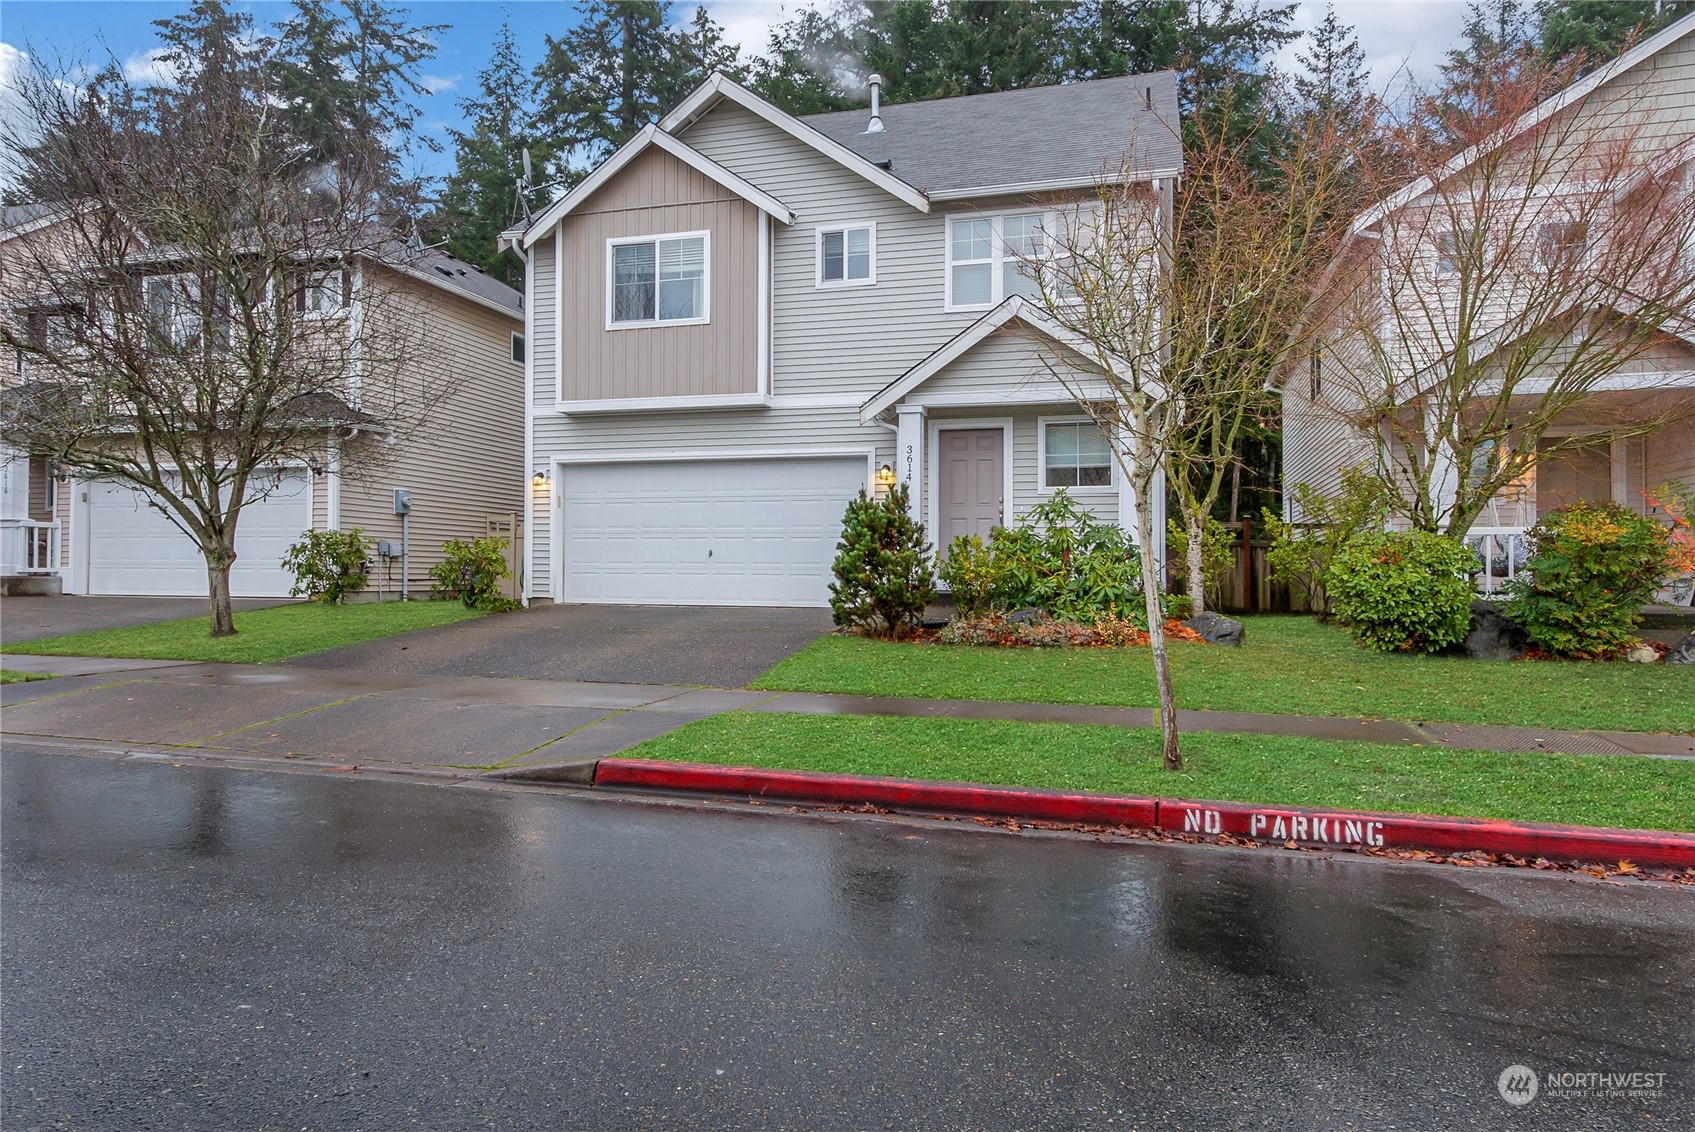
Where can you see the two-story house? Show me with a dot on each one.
(1552, 256)
(743, 318)
(463, 469)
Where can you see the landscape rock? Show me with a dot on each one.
(1218, 629)
(1493, 636)
(1025, 616)
(1684, 653)
(1642, 654)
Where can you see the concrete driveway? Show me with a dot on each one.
(719, 646)
(31, 618)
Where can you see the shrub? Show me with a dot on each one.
(882, 568)
(1300, 552)
(1592, 568)
(1678, 504)
(1062, 559)
(968, 571)
(472, 570)
(1218, 554)
(327, 565)
(1408, 591)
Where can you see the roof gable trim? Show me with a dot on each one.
(720, 87)
(651, 137)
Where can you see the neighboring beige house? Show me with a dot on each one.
(464, 470)
(743, 318)
(1644, 99)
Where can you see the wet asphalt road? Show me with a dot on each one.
(200, 948)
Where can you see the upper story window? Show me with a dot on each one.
(991, 258)
(1447, 253)
(1075, 454)
(173, 308)
(847, 256)
(1562, 243)
(517, 348)
(657, 281)
(323, 293)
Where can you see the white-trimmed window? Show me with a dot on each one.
(847, 256)
(517, 348)
(1447, 261)
(1073, 454)
(324, 294)
(991, 258)
(173, 308)
(1561, 243)
(656, 280)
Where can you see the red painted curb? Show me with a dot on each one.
(1354, 829)
(1337, 829)
(804, 786)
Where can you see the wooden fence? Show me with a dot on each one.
(1247, 586)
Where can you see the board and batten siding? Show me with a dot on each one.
(658, 195)
(467, 462)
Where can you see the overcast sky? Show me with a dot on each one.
(1398, 36)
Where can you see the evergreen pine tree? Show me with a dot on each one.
(884, 576)
(1600, 28)
(348, 72)
(1334, 66)
(481, 196)
(619, 69)
(809, 66)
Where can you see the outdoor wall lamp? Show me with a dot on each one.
(885, 476)
(539, 480)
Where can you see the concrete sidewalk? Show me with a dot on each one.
(475, 725)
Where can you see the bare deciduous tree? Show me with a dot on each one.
(1523, 283)
(211, 305)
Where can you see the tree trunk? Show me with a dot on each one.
(1151, 587)
(1192, 564)
(218, 563)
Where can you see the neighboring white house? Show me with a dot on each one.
(465, 472)
(1645, 99)
(743, 318)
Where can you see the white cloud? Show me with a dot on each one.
(440, 84)
(14, 121)
(748, 23)
(149, 68)
(1402, 39)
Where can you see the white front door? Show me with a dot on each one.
(704, 532)
(133, 549)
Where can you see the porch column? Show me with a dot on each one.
(909, 456)
(14, 508)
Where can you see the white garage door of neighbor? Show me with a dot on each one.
(705, 532)
(132, 549)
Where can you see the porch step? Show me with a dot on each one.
(31, 585)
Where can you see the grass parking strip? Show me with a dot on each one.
(1604, 790)
(264, 636)
(1289, 665)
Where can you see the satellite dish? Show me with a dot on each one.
(529, 174)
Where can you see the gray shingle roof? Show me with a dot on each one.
(17, 215)
(446, 270)
(1019, 138)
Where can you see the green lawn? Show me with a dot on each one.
(1289, 665)
(13, 676)
(263, 636)
(1618, 790)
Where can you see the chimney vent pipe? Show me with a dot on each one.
(875, 126)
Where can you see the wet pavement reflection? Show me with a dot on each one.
(191, 947)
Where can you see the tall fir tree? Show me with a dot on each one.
(809, 64)
(619, 69)
(1333, 77)
(350, 70)
(1600, 28)
(481, 197)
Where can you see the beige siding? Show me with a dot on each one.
(468, 461)
(1670, 456)
(655, 195)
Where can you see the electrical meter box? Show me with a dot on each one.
(402, 501)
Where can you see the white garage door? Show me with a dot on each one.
(705, 532)
(132, 549)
